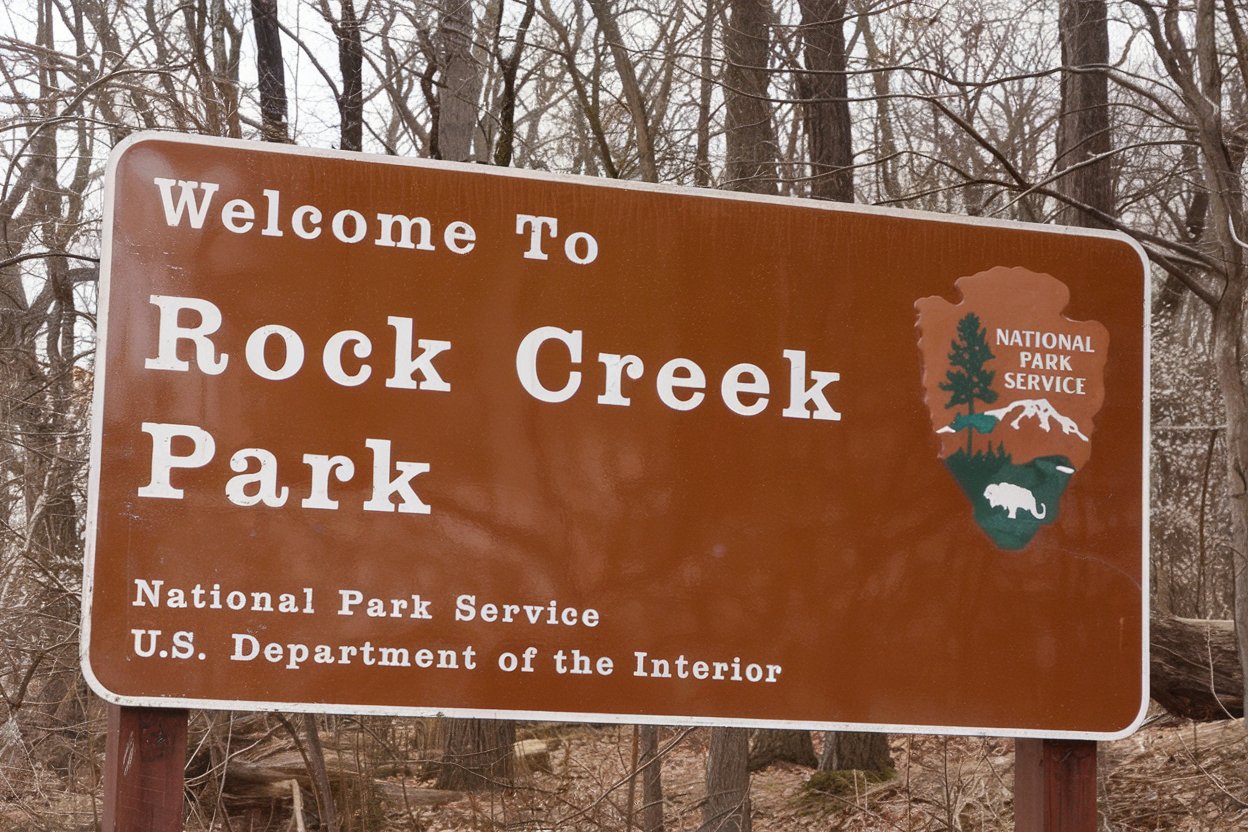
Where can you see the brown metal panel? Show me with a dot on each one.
(783, 568)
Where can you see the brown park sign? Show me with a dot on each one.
(390, 436)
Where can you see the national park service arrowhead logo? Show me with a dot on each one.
(1013, 387)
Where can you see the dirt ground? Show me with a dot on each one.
(1170, 775)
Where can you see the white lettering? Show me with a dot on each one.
(301, 217)
(188, 203)
(264, 479)
(238, 216)
(460, 237)
(526, 363)
(734, 386)
(384, 488)
(331, 357)
(359, 227)
(169, 333)
(681, 374)
(406, 365)
(322, 466)
(535, 225)
(255, 352)
(273, 201)
(391, 221)
(164, 460)
(571, 245)
(800, 396)
(616, 367)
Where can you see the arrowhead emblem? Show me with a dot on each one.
(1013, 387)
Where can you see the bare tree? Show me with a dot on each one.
(476, 754)
(1083, 134)
(727, 806)
(631, 87)
(825, 100)
(855, 750)
(750, 166)
(270, 70)
(751, 149)
(706, 88)
(460, 88)
(346, 29)
(769, 746)
(1196, 71)
(215, 40)
(504, 148)
(651, 765)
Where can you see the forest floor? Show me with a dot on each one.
(1171, 775)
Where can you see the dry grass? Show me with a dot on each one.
(1170, 775)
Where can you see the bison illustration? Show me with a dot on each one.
(1012, 497)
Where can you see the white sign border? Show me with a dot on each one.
(97, 418)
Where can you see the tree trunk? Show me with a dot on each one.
(750, 142)
(825, 108)
(270, 71)
(727, 806)
(781, 745)
(195, 15)
(460, 89)
(476, 754)
(1083, 130)
(702, 147)
(504, 147)
(320, 775)
(1194, 668)
(351, 62)
(750, 138)
(632, 89)
(844, 750)
(227, 40)
(885, 143)
(830, 133)
(1228, 329)
(651, 780)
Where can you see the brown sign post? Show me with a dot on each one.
(389, 436)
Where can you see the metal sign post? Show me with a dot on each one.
(1054, 785)
(144, 760)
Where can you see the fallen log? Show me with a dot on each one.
(269, 778)
(1194, 668)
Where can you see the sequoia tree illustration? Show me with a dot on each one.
(969, 380)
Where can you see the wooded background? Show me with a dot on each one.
(1127, 115)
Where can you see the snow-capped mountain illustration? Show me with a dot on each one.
(1044, 413)
(1041, 411)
